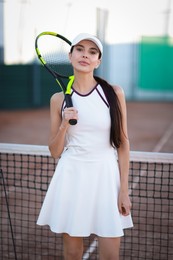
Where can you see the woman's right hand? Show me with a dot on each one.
(69, 113)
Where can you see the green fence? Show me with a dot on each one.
(28, 86)
(25, 86)
(156, 64)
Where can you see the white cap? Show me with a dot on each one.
(87, 36)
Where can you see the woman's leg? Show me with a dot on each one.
(73, 247)
(109, 248)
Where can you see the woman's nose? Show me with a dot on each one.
(85, 55)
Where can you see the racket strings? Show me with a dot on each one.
(55, 53)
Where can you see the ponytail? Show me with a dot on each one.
(115, 112)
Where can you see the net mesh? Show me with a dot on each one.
(27, 172)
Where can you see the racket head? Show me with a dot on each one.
(53, 52)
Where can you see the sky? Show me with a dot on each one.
(114, 21)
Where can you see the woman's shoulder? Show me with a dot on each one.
(58, 96)
(56, 100)
(118, 90)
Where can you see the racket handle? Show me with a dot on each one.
(70, 104)
(72, 121)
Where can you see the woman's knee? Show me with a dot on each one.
(73, 247)
(109, 248)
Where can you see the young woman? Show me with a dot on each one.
(88, 193)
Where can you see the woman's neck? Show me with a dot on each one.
(84, 84)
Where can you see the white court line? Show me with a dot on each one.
(163, 139)
(90, 249)
(157, 148)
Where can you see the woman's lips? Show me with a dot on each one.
(83, 63)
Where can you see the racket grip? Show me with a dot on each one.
(70, 104)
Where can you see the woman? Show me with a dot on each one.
(88, 193)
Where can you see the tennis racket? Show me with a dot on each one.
(52, 50)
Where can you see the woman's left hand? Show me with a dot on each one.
(124, 203)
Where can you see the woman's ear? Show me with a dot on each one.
(69, 56)
(98, 64)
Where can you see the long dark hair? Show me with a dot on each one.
(115, 112)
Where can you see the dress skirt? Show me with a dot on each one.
(82, 196)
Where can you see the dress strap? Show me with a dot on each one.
(102, 95)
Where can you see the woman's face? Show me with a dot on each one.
(85, 56)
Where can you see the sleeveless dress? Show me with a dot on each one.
(82, 195)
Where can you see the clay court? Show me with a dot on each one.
(150, 126)
(27, 177)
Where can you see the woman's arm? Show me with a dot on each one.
(123, 158)
(59, 124)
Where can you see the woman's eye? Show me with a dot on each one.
(79, 49)
(93, 52)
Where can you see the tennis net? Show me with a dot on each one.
(26, 171)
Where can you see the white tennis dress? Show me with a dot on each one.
(82, 196)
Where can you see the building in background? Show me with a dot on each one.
(137, 37)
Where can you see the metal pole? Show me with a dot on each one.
(9, 217)
(2, 32)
